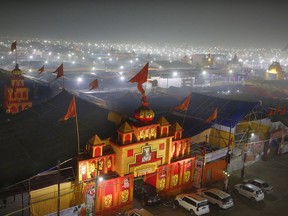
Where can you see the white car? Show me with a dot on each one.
(264, 186)
(250, 191)
(194, 203)
(216, 196)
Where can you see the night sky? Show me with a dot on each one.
(201, 23)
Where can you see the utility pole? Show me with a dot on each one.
(243, 168)
(96, 188)
(245, 154)
(58, 197)
(29, 195)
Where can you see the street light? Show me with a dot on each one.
(226, 181)
(97, 180)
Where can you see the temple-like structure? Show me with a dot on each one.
(143, 150)
(274, 72)
(16, 94)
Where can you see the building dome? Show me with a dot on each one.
(17, 71)
(144, 114)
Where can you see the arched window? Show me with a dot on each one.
(164, 131)
(97, 152)
(178, 135)
(127, 138)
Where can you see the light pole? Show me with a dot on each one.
(226, 181)
(243, 168)
(167, 81)
(97, 180)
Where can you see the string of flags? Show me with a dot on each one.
(185, 104)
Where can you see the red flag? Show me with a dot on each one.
(71, 112)
(59, 71)
(213, 116)
(93, 84)
(13, 46)
(40, 70)
(141, 76)
(184, 105)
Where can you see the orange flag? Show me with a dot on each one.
(213, 116)
(93, 84)
(71, 112)
(184, 106)
(59, 71)
(40, 70)
(141, 76)
(13, 46)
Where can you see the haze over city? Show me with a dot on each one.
(199, 23)
(115, 107)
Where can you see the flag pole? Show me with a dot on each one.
(63, 86)
(77, 128)
(184, 117)
(16, 55)
(186, 109)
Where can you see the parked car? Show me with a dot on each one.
(194, 203)
(264, 186)
(147, 194)
(216, 196)
(138, 212)
(250, 191)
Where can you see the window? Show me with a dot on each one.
(204, 203)
(130, 153)
(191, 202)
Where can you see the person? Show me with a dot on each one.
(146, 155)
(126, 183)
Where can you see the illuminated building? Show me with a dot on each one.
(143, 150)
(208, 61)
(274, 72)
(16, 95)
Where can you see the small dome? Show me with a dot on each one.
(144, 114)
(17, 71)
